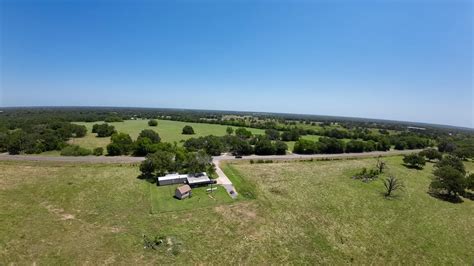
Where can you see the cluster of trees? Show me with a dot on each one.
(148, 141)
(38, 138)
(239, 144)
(414, 160)
(103, 130)
(332, 145)
(461, 146)
(410, 141)
(450, 178)
(172, 159)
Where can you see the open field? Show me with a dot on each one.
(170, 131)
(294, 212)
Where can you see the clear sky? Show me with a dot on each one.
(402, 60)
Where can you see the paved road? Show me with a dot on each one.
(70, 159)
(224, 180)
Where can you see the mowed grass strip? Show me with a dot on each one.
(162, 198)
(301, 213)
(170, 131)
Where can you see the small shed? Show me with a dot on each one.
(182, 192)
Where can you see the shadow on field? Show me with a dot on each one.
(148, 178)
(412, 166)
(445, 197)
(468, 195)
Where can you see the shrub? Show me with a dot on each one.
(366, 175)
(113, 149)
(414, 160)
(150, 134)
(98, 151)
(75, 150)
(153, 123)
(391, 185)
(431, 154)
(188, 130)
(265, 147)
(103, 130)
(280, 147)
(121, 144)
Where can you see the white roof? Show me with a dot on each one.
(171, 177)
(198, 179)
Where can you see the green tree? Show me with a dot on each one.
(355, 146)
(121, 144)
(280, 147)
(151, 135)
(291, 135)
(197, 162)
(272, 134)
(305, 146)
(265, 147)
(17, 142)
(159, 163)
(188, 130)
(470, 181)
(243, 133)
(431, 154)
(98, 151)
(452, 161)
(143, 146)
(104, 130)
(446, 146)
(152, 123)
(414, 160)
(229, 130)
(448, 180)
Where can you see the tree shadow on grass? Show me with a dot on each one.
(468, 195)
(446, 197)
(397, 195)
(412, 166)
(148, 178)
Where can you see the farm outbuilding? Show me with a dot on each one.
(182, 192)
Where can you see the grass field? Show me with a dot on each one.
(162, 199)
(292, 213)
(170, 131)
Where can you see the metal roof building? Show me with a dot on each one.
(201, 179)
(192, 180)
(171, 179)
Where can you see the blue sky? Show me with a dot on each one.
(402, 60)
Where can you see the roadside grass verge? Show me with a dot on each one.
(245, 188)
